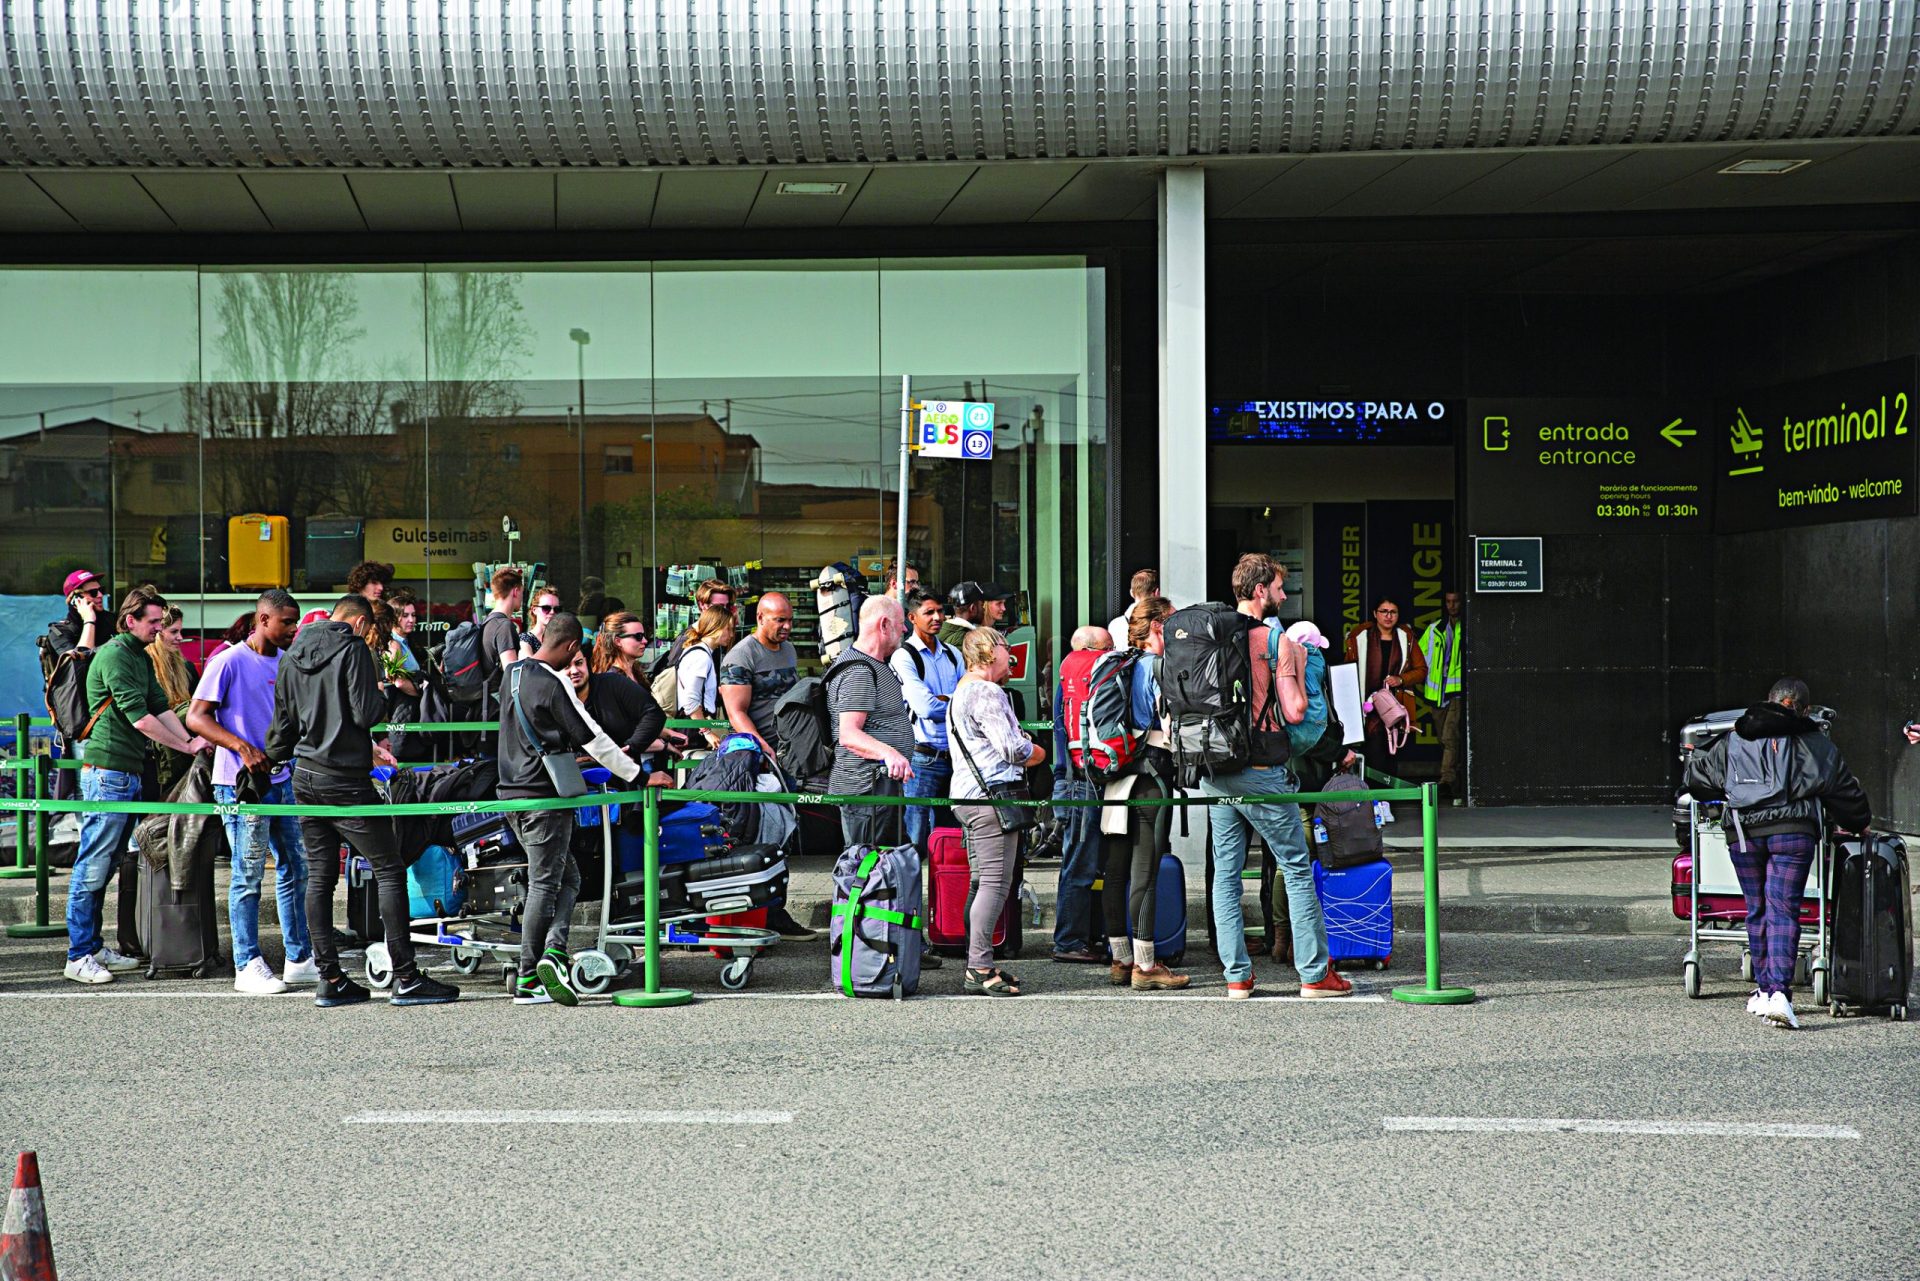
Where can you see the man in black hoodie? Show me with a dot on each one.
(541, 714)
(326, 701)
(1781, 779)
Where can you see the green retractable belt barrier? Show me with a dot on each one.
(20, 764)
(652, 995)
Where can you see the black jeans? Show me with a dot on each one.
(1130, 866)
(553, 882)
(881, 825)
(372, 837)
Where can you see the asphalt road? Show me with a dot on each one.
(187, 1132)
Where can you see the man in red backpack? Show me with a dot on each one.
(1075, 931)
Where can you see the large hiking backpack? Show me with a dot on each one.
(804, 727)
(1305, 736)
(463, 673)
(67, 701)
(1206, 686)
(839, 592)
(1095, 704)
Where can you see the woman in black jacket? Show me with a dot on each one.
(625, 709)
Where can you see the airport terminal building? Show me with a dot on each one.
(1608, 315)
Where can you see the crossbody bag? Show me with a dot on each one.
(1012, 818)
(563, 768)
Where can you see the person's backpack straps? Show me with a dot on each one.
(520, 713)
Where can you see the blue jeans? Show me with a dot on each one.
(931, 774)
(102, 837)
(1280, 826)
(251, 839)
(1074, 928)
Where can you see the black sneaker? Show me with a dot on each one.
(421, 989)
(338, 990)
(929, 959)
(781, 922)
(552, 972)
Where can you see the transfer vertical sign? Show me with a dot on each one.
(955, 429)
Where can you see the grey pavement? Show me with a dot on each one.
(187, 1132)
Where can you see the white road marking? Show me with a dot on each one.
(568, 1116)
(1560, 1125)
(1165, 998)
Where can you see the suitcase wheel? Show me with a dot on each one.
(1898, 1013)
(1690, 978)
(734, 976)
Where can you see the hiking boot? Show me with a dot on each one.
(1330, 986)
(1158, 979)
(420, 989)
(1120, 973)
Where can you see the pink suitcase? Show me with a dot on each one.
(1721, 907)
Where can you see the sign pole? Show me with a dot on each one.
(906, 454)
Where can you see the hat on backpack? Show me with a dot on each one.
(1306, 633)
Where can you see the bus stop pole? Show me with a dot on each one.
(906, 458)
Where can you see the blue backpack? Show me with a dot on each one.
(1313, 726)
(436, 884)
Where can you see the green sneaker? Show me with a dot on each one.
(527, 991)
(553, 970)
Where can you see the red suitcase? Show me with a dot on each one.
(1722, 907)
(949, 886)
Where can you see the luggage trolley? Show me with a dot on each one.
(1715, 908)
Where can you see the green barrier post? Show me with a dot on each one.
(652, 995)
(39, 927)
(23, 860)
(1434, 993)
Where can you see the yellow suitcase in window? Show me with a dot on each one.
(259, 552)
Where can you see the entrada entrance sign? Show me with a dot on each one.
(1589, 466)
(1838, 447)
(1508, 565)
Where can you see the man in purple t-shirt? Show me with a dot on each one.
(233, 708)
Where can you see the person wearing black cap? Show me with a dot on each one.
(973, 604)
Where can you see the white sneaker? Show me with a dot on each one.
(258, 979)
(114, 963)
(298, 972)
(1779, 1011)
(1757, 1003)
(88, 970)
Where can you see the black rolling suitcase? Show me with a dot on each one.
(128, 905)
(1872, 962)
(181, 929)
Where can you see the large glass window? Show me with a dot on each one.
(624, 428)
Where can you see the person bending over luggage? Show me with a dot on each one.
(1136, 837)
(1076, 916)
(326, 701)
(992, 749)
(1778, 774)
(625, 710)
(540, 715)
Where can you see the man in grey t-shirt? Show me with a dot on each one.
(872, 730)
(758, 670)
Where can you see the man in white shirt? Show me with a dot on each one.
(1144, 586)
(928, 670)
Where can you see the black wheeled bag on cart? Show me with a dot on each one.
(496, 865)
(1872, 962)
(744, 878)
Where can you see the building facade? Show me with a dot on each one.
(645, 281)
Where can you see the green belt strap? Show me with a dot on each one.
(867, 864)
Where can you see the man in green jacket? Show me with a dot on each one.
(128, 710)
(1442, 644)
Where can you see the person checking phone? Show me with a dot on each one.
(85, 623)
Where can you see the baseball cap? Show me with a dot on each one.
(964, 593)
(994, 591)
(1306, 634)
(78, 579)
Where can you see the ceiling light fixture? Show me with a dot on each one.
(811, 189)
(1766, 166)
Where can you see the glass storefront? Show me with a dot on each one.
(621, 418)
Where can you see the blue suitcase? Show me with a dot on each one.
(1170, 912)
(1358, 905)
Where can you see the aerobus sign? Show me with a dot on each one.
(955, 429)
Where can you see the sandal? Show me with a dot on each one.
(991, 983)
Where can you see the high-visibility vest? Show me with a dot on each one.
(1443, 669)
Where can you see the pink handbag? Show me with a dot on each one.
(1393, 718)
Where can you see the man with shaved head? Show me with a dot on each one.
(759, 669)
(872, 731)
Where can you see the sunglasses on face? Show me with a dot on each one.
(92, 591)
(641, 637)
(546, 609)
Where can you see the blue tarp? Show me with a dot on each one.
(23, 619)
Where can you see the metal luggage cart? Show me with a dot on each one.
(1714, 876)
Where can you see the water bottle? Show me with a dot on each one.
(1319, 831)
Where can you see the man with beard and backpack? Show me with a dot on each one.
(1781, 779)
(1231, 686)
(326, 701)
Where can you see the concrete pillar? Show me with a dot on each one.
(1183, 385)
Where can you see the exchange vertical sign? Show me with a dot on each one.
(1834, 448)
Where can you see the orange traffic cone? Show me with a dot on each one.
(26, 1251)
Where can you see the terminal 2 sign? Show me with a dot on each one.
(1573, 466)
(1834, 448)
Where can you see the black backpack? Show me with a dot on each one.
(1353, 838)
(67, 702)
(804, 727)
(463, 669)
(1206, 686)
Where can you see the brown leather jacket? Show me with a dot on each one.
(1413, 665)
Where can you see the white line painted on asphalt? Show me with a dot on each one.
(568, 1116)
(1156, 999)
(1562, 1125)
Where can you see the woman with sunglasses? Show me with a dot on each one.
(546, 603)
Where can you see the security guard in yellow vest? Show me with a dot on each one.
(1442, 644)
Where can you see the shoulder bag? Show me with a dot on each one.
(563, 768)
(1012, 818)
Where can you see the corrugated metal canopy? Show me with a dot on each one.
(256, 84)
